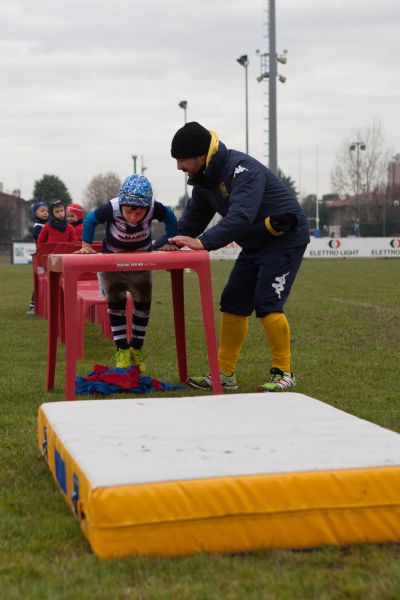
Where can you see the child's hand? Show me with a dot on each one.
(86, 250)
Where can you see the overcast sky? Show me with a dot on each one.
(85, 84)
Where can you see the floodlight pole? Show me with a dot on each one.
(183, 104)
(273, 70)
(317, 232)
(244, 61)
(357, 146)
(272, 74)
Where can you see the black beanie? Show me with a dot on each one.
(190, 141)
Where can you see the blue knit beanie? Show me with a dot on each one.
(35, 206)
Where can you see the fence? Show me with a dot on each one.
(334, 248)
(389, 247)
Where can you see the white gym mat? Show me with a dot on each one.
(170, 476)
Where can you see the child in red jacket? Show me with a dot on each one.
(75, 213)
(57, 229)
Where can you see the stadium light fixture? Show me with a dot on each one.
(183, 104)
(282, 58)
(244, 61)
(358, 146)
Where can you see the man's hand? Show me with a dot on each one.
(167, 248)
(284, 223)
(185, 240)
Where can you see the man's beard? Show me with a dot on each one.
(198, 178)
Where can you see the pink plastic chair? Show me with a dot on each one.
(89, 298)
(39, 267)
(94, 307)
(40, 276)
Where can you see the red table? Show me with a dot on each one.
(71, 266)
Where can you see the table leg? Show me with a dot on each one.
(36, 292)
(61, 316)
(204, 274)
(53, 290)
(178, 304)
(71, 327)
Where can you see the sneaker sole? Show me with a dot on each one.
(194, 385)
(262, 389)
(276, 391)
(225, 388)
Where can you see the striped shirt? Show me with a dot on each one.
(122, 236)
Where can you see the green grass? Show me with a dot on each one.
(345, 321)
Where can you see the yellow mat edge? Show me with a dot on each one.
(227, 514)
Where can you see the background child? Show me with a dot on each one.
(40, 214)
(58, 228)
(128, 221)
(75, 213)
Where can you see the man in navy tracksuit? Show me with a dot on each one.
(261, 215)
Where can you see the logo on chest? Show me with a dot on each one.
(223, 190)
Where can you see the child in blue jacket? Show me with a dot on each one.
(128, 219)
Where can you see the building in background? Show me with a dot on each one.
(394, 172)
(14, 217)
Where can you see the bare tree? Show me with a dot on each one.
(363, 169)
(101, 189)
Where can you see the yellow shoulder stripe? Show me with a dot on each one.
(213, 149)
(271, 229)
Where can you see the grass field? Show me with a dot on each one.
(345, 320)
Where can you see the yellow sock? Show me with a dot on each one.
(277, 330)
(233, 332)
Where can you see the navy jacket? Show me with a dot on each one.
(244, 192)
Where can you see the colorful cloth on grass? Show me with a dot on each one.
(103, 380)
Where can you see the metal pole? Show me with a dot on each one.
(247, 107)
(358, 183)
(244, 61)
(134, 158)
(357, 146)
(384, 218)
(186, 192)
(183, 104)
(273, 149)
(317, 230)
(184, 175)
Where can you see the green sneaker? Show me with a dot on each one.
(137, 358)
(122, 358)
(278, 381)
(205, 383)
